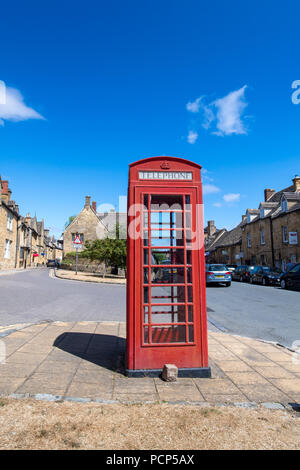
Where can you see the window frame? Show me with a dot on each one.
(7, 249)
(9, 222)
(285, 235)
(249, 240)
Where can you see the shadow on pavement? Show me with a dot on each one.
(107, 351)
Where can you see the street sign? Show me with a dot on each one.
(293, 238)
(77, 240)
(77, 244)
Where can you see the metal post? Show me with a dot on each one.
(76, 259)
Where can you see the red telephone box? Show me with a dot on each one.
(166, 298)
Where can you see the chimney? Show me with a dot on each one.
(46, 232)
(87, 201)
(5, 192)
(296, 182)
(94, 206)
(268, 193)
(27, 219)
(211, 229)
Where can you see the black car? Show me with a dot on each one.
(231, 267)
(53, 263)
(265, 275)
(242, 273)
(291, 279)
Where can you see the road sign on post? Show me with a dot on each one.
(77, 243)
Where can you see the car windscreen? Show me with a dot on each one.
(295, 269)
(216, 267)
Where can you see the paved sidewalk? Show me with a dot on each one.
(88, 277)
(86, 360)
(5, 272)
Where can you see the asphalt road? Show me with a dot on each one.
(33, 296)
(268, 313)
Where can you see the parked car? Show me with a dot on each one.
(291, 279)
(231, 267)
(265, 275)
(53, 263)
(242, 273)
(217, 274)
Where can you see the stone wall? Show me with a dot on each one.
(87, 223)
(5, 234)
(258, 253)
(284, 252)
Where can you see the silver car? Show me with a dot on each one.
(217, 273)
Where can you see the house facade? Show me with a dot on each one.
(91, 225)
(271, 235)
(24, 242)
(227, 248)
(268, 235)
(9, 219)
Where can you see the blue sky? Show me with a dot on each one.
(93, 86)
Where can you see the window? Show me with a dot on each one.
(284, 205)
(9, 224)
(249, 240)
(7, 249)
(284, 235)
(262, 213)
(81, 236)
(262, 236)
(293, 259)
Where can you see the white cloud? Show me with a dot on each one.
(231, 197)
(210, 189)
(192, 137)
(205, 175)
(217, 204)
(222, 116)
(229, 112)
(14, 109)
(194, 106)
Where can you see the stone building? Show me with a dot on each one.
(270, 234)
(226, 249)
(91, 225)
(24, 242)
(9, 219)
(211, 237)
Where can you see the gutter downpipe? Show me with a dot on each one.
(272, 242)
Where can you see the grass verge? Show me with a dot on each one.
(32, 424)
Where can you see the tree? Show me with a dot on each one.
(70, 220)
(111, 252)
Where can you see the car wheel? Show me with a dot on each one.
(283, 284)
(264, 282)
(251, 280)
(228, 284)
(241, 278)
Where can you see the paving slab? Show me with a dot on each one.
(85, 361)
